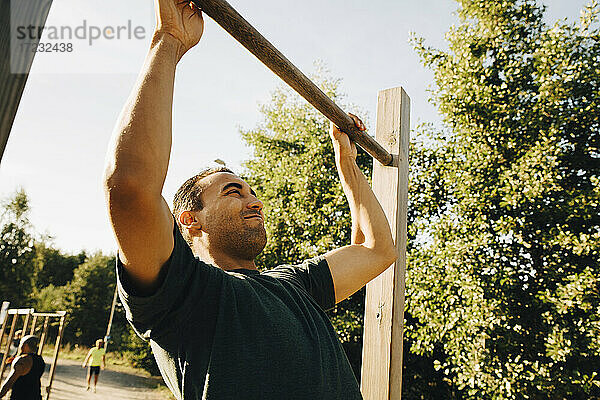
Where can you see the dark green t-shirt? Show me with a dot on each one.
(242, 334)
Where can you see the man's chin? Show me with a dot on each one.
(249, 243)
(259, 245)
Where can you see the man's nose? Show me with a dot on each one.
(255, 204)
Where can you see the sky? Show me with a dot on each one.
(72, 100)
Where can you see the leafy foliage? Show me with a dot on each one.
(52, 267)
(17, 249)
(293, 172)
(88, 299)
(503, 283)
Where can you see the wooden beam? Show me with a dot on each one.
(15, 64)
(33, 322)
(384, 303)
(43, 336)
(230, 20)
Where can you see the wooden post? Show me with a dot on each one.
(4, 321)
(26, 322)
(33, 322)
(56, 350)
(384, 303)
(43, 337)
(11, 334)
(110, 320)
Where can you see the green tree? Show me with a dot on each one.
(136, 350)
(17, 250)
(33, 273)
(503, 287)
(88, 298)
(53, 267)
(294, 174)
(50, 298)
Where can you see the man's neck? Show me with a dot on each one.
(225, 261)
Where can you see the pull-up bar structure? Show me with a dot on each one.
(384, 306)
(29, 314)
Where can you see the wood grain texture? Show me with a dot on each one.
(9, 339)
(61, 328)
(12, 84)
(384, 303)
(230, 20)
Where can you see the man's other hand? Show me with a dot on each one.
(181, 20)
(342, 144)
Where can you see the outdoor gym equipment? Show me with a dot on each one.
(381, 376)
(28, 315)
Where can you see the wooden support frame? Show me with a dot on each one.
(13, 326)
(384, 304)
(29, 313)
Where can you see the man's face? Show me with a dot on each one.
(232, 216)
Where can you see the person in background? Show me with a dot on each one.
(26, 372)
(96, 358)
(14, 347)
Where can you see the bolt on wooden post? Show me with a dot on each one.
(381, 375)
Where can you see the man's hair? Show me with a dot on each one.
(30, 341)
(189, 196)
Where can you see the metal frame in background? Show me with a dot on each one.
(30, 314)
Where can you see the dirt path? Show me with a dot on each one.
(69, 384)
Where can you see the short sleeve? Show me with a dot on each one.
(157, 314)
(313, 276)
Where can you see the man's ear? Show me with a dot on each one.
(190, 221)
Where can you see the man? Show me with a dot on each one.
(26, 372)
(97, 359)
(218, 328)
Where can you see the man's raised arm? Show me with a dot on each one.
(372, 249)
(138, 156)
